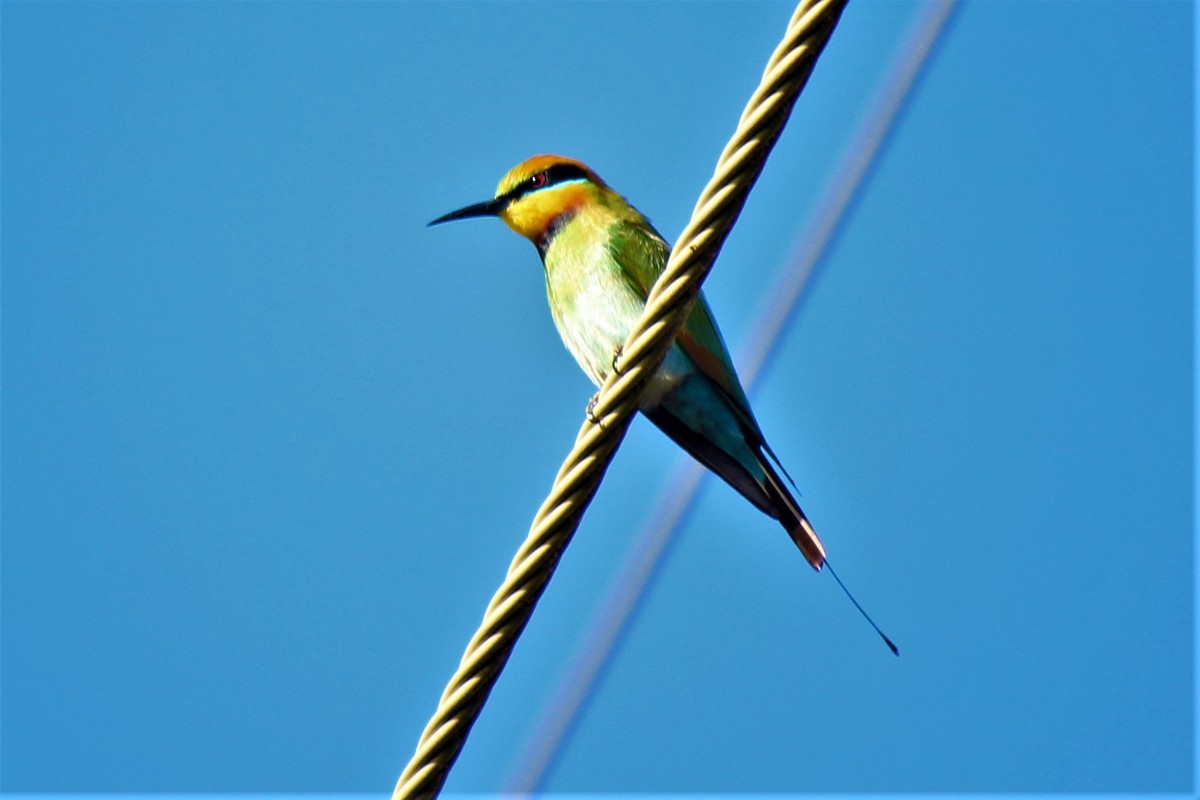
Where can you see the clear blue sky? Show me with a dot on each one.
(269, 443)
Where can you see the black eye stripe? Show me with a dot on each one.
(559, 173)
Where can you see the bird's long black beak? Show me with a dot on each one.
(488, 208)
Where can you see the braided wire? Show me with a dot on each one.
(667, 306)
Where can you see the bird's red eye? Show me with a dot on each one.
(538, 180)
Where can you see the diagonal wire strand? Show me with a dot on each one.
(649, 549)
(666, 308)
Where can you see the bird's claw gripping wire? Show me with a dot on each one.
(591, 411)
(591, 406)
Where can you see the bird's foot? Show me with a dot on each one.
(616, 357)
(591, 411)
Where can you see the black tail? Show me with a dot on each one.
(792, 518)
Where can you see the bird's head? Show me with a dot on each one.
(538, 195)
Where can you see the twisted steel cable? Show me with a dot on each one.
(667, 306)
(629, 587)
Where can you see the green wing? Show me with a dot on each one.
(642, 255)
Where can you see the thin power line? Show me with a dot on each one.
(559, 715)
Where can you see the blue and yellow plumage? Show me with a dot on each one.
(601, 257)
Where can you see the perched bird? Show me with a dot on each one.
(601, 256)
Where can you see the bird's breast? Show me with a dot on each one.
(593, 304)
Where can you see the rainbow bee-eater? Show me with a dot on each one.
(601, 256)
